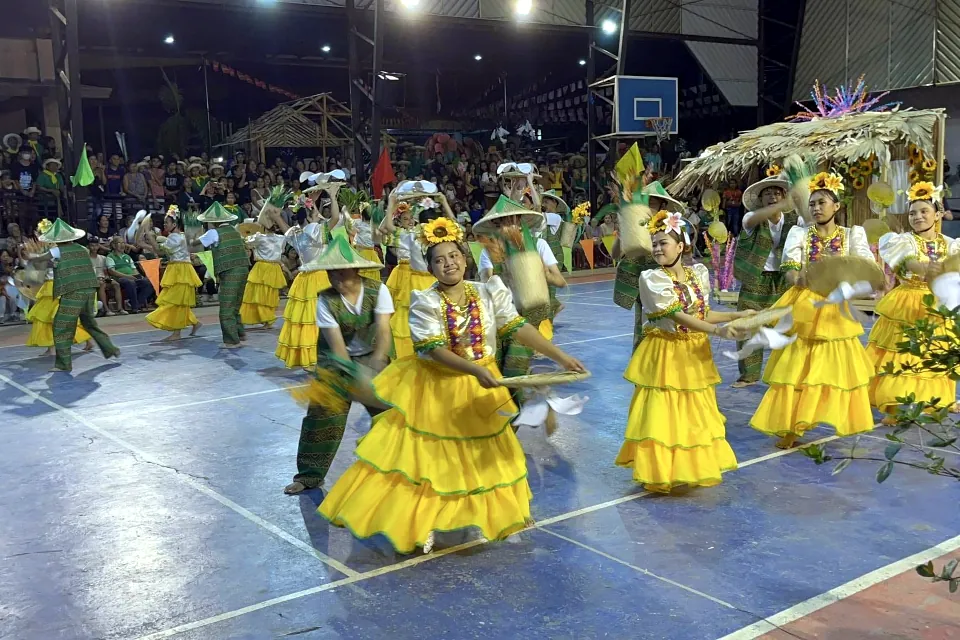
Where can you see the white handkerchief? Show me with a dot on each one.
(534, 411)
(947, 289)
(765, 338)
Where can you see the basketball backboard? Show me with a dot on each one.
(637, 99)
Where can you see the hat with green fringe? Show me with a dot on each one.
(340, 255)
(656, 190)
(506, 208)
(59, 232)
(216, 213)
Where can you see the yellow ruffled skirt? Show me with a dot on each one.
(401, 282)
(443, 458)
(821, 378)
(297, 345)
(902, 306)
(178, 296)
(370, 254)
(41, 316)
(675, 432)
(261, 296)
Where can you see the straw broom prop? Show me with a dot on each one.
(798, 172)
(334, 388)
(633, 216)
(270, 213)
(523, 262)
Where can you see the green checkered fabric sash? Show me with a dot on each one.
(73, 271)
(229, 253)
(754, 246)
(361, 327)
(626, 288)
(553, 239)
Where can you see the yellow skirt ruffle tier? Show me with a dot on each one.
(902, 307)
(261, 296)
(675, 432)
(443, 458)
(370, 254)
(821, 378)
(401, 282)
(297, 345)
(40, 316)
(178, 296)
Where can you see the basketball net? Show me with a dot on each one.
(661, 127)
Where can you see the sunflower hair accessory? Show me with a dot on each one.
(773, 171)
(43, 226)
(440, 230)
(925, 191)
(657, 222)
(826, 181)
(401, 209)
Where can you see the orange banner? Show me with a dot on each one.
(587, 244)
(151, 269)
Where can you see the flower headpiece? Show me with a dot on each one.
(173, 211)
(773, 171)
(401, 209)
(925, 191)
(826, 181)
(43, 226)
(440, 230)
(665, 222)
(425, 203)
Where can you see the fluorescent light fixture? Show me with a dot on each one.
(410, 4)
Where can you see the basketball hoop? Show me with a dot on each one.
(661, 127)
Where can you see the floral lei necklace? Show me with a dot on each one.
(934, 249)
(831, 245)
(682, 294)
(475, 347)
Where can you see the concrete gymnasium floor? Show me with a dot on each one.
(143, 499)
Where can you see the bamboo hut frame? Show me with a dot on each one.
(885, 135)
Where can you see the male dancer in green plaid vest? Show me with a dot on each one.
(354, 320)
(75, 284)
(555, 210)
(756, 265)
(231, 265)
(626, 288)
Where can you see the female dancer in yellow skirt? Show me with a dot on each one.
(443, 457)
(915, 257)
(261, 296)
(411, 274)
(297, 345)
(40, 316)
(824, 376)
(675, 432)
(178, 288)
(365, 239)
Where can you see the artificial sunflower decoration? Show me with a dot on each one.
(854, 171)
(774, 170)
(929, 165)
(441, 230)
(859, 182)
(866, 166)
(915, 154)
(580, 212)
(657, 223)
(43, 226)
(825, 180)
(913, 176)
(922, 191)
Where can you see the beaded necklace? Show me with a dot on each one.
(474, 350)
(831, 245)
(700, 304)
(935, 249)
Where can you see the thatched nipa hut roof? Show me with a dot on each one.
(828, 140)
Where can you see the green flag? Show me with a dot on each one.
(475, 249)
(84, 175)
(568, 258)
(206, 257)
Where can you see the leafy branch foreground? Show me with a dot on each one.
(923, 427)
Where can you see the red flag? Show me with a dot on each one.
(382, 174)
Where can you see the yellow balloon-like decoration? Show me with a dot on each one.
(710, 200)
(882, 194)
(718, 231)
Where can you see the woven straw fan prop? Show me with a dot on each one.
(633, 216)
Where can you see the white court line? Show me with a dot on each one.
(619, 335)
(643, 571)
(915, 444)
(855, 586)
(198, 624)
(225, 501)
(154, 409)
(157, 342)
(591, 304)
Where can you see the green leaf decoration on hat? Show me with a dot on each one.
(340, 244)
(508, 205)
(84, 174)
(218, 213)
(377, 214)
(280, 196)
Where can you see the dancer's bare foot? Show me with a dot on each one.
(115, 354)
(173, 337)
(88, 346)
(224, 345)
(788, 441)
(296, 487)
(243, 338)
(889, 421)
(740, 384)
(196, 328)
(58, 370)
(266, 325)
(49, 351)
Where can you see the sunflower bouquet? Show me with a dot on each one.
(524, 267)
(570, 229)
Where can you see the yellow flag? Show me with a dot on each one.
(630, 165)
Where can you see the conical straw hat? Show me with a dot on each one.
(656, 190)
(751, 196)
(340, 255)
(60, 231)
(505, 208)
(216, 213)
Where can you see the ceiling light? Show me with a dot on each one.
(410, 4)
(478, 57)
(582, 62)
(169, 39)
(608, 26)
(524, 7)
(325, 48)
